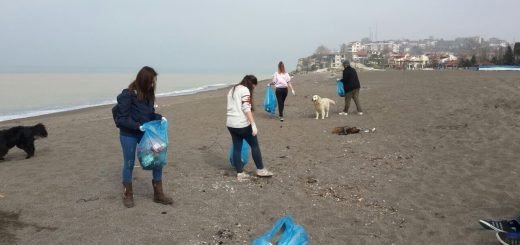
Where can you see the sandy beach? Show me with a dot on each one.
(444, 154)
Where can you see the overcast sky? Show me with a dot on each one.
(244, 36)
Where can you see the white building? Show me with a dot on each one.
(417, 62)
(383, 46)
(337, 61)
(355, 47)
(448, 58)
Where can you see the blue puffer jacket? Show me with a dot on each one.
(132, 113)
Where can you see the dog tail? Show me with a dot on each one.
(332, 101)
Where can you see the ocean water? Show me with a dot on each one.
(31, 94)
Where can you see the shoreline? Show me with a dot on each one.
(45, 111)
(179, 93)
(196, 90)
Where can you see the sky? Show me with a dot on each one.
(223, 36)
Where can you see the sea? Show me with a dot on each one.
(31, 94)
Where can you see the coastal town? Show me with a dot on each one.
(425, 54)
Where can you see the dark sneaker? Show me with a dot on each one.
(505, 226)
(508, 238)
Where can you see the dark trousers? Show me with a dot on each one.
(281, 94)
(353, 94)
(238, 135)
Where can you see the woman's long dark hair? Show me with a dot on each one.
(144, 84)
(281, 67)
(250, 82)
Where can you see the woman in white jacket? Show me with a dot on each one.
(282, 81)
(241, 125)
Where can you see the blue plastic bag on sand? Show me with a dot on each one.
(340, 88)
(152, 149)
(290, 234)
(244, 154)
(269, 100)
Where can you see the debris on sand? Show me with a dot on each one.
(345, 130)
(311, 180)
(225, 234)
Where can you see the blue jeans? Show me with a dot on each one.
(129, 145)
(237, 136)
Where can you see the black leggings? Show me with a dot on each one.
(281, 94)
(238, 135)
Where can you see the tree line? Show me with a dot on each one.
(511, 56)
(504, 56)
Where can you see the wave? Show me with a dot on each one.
(195, 90)
(46, 111)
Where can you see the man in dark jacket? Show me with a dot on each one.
(351, 86)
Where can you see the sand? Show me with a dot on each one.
(444, 154)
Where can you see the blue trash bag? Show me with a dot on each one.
(244, 154)
(269, 100)
(152, 150)
(291, 234)
(341, 90)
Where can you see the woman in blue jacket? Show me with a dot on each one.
(136, 107)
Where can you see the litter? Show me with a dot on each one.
(345, 130)
(244, 154)
(269, 100)
(369, 130)
(152, 150)
(291, 234)
(340, 88)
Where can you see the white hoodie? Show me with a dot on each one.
(238, 103)
(281, 80)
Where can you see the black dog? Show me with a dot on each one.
(22, 137)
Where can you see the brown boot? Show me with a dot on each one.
(128, 195)
(158, 194)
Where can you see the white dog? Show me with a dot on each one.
(322, 105)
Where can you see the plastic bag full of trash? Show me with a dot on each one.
(244, 154)
(269, 100)
(340, 88)
(153, 147)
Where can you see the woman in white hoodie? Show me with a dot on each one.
(282, 81)
(241, 125)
